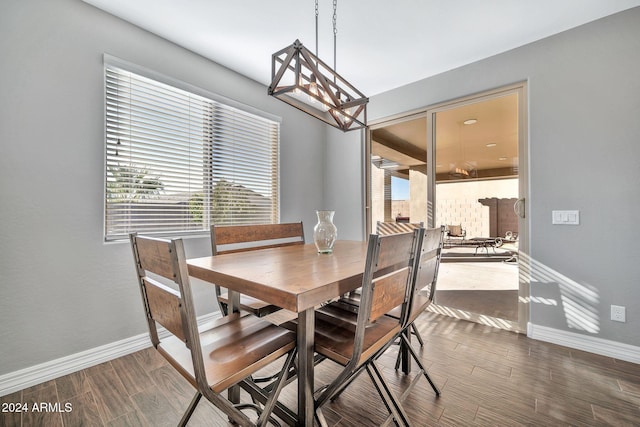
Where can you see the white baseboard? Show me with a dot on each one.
(24, 378)
(588, 343)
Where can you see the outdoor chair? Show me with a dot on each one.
(354, 338)
(455, 232)
(224, 353)
(240, 238)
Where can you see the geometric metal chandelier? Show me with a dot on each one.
(301, 79)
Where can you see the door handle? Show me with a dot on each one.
(518, 207)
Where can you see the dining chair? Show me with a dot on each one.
(240, 238)
(383, 228)
(354, 338)
(428, 273)
(423, 290)
(221, 355)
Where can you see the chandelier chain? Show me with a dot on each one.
(335, 17)
(335, 31)
(316, 27)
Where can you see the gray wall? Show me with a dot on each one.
(62, 290)
(584, 143)
(344, 182)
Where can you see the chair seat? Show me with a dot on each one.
(250, 304)
(335, 328)
(232, 349)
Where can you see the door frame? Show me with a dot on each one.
(524, 276)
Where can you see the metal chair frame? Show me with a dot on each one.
(388, 257)
(174, 309)
(425, 276)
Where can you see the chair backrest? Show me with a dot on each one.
(426, 271)
(384, 228)
(239, 238)
(387, 280)
(164, 260)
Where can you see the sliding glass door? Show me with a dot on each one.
(462, 165)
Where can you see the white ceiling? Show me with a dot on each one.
(382, 44)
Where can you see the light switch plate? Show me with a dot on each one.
(565, 217)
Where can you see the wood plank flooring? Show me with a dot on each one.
(488, 377)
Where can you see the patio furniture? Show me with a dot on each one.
(460, 241)
(485, 243)
(241, 238)
(453, 232)
(220, 356)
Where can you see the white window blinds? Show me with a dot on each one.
(177, 162)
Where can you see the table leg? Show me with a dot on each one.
(234, 301)
(233, 393)
(306, 329)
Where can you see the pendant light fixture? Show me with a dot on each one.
(301, 79)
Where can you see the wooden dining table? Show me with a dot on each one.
(296, 278)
